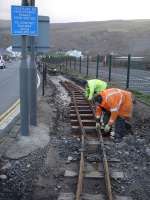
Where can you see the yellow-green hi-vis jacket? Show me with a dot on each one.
(93, 87)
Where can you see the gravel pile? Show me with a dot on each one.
(16, 176)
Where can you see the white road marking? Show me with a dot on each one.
(38, 84)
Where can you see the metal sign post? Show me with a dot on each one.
(24, 106)
(33, 81)
(24, 23)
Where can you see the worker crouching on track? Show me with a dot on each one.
(117, 105)
(93, 87)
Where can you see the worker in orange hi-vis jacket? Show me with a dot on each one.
(117, 105)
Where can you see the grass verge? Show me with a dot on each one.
(144, 98)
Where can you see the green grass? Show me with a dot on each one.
(145, 98)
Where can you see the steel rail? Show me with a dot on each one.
(81, 169)
(105, 162)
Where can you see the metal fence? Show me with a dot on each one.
(124, 71)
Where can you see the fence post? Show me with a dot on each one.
(43, 80)
(70, 62)
(87, 69)
(80, 65)
(60, 67)
(45, 74)
(74, 63)
(97, 65)
(110, 64)
(51, 60)
(66, 62)
(128, 71)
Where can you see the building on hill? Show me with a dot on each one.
(75, 53)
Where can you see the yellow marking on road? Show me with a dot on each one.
(9, 111)
(5, 116)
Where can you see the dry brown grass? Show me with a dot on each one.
(121, 37)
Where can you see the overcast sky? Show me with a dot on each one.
(85, 10)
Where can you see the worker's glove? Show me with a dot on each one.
(97, 122)
(102, 121)
(89, 99)
(107, 128)
(102, 126)
(97, 119)
(98, 125)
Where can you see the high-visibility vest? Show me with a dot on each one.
(94, 86)
(116, 101)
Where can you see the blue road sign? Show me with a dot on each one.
(24, 20)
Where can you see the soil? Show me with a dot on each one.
(133, 151)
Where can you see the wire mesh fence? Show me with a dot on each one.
(124, 71)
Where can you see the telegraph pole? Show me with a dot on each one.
(24, 105)
(32, 80)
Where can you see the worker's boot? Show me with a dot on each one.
(112, 132)
(120, 130)
(128, 127)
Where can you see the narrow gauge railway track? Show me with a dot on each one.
(82, 116)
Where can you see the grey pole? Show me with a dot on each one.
(110, 65)
(128, 71)
(24, 104)
(97, 66)
(87, 66)
(80, 64)
(33, 81)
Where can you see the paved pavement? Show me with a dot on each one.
(9, 85)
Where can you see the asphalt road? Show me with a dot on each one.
(9, 85)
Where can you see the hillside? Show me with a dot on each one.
(121, 37)
(5, 39)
